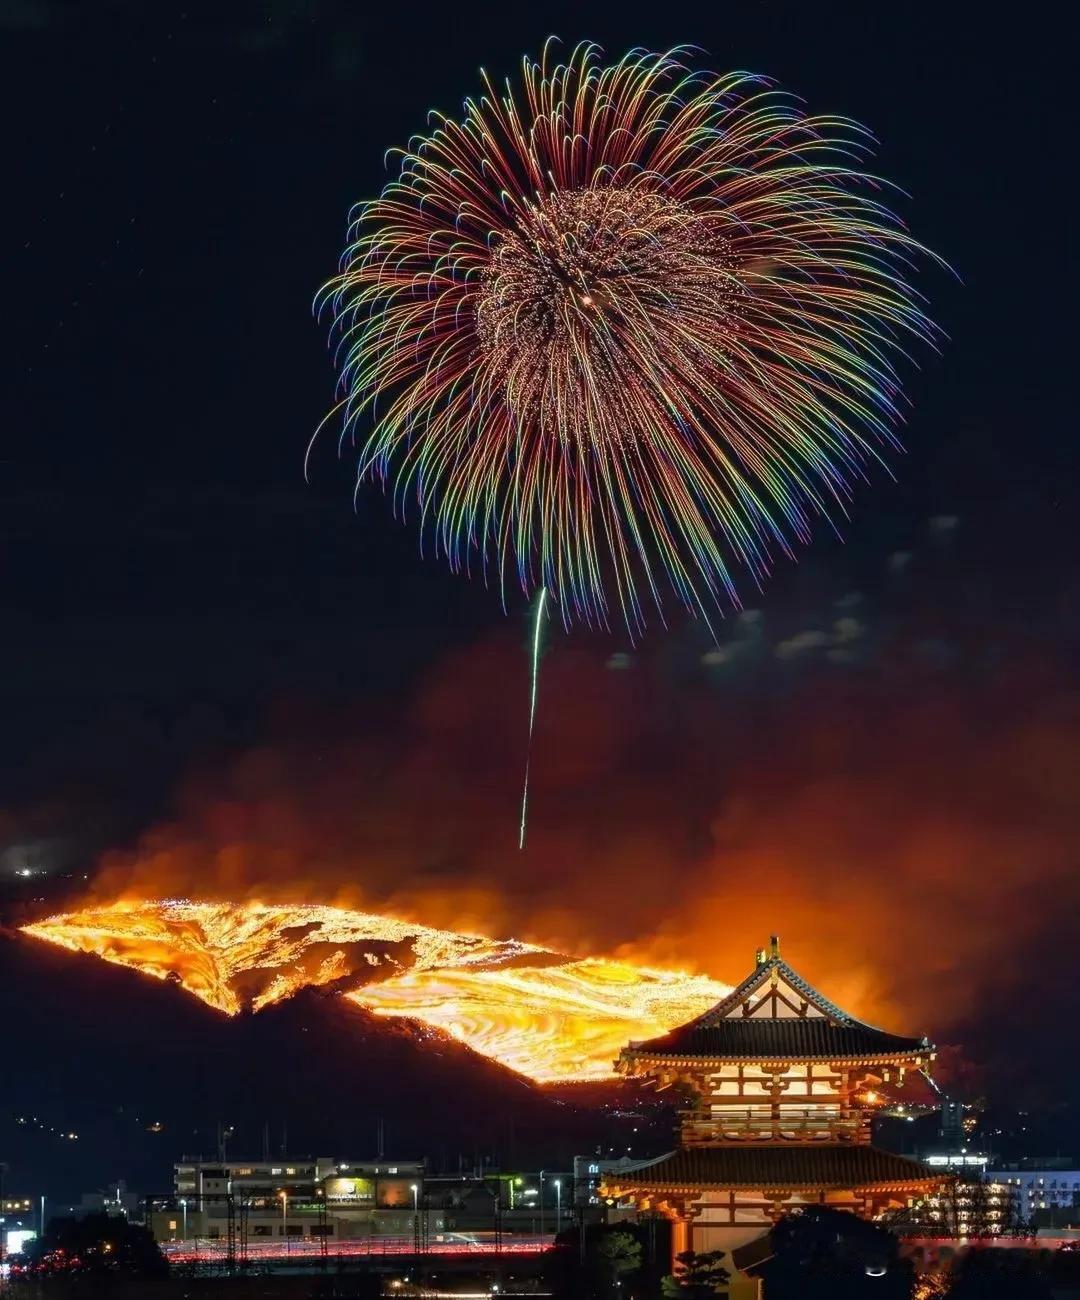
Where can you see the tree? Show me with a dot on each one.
(825, 1254)
(696, 1277)
(617, 1253)
(96, 1245)
(998, 1275)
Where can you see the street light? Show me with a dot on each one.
(183, 1207)
(558, 1205)
(284, 1217)
(541, 1207)
(417, 1236)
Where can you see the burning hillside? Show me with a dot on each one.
(536, 1011)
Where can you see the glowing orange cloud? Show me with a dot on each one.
(900, 834)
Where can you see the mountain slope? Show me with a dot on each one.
(101, 1051)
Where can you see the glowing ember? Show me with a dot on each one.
(536, 1011)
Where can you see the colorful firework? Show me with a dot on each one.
(625, 330)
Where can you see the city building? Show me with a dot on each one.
(780, 1087)
(292, 1197)
(964, 1163)
(589, 1173)
(537, 1202)
(18, 1222)
(114, 1199)
(1038, 1185)
(968, 1206)
(951, 1132)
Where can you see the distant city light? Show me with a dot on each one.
(16, 1238)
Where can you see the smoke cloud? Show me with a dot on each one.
(910, 834)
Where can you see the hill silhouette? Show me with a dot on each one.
(144, 1074)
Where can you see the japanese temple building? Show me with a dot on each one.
(781, 1087)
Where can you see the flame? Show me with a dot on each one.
(539, 1012)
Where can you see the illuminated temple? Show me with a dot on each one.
(781, 1087)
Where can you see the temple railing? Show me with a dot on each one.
(789, 1125)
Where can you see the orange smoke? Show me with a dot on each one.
(906, 834)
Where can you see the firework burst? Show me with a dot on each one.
(625, 330)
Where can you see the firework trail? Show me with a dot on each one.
(624, 330)
(532, 713)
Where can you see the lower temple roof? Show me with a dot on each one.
(824, 1167)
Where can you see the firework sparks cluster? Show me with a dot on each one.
(624, 330)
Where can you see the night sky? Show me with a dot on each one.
(880, 759)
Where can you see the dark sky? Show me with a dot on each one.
(177, 178)
(177, 186)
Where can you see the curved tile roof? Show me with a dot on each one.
(841, 1167)
(768, 1039)
(813, 1028)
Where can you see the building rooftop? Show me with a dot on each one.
(774, 1014)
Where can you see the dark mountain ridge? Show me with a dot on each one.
(144, 1074)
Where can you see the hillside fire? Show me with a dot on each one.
(541, 1013)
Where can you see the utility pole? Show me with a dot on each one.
(3, 1219)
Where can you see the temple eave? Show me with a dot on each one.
(631, 1059)
(638, 1190)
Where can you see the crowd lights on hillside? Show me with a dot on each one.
(32, 1121)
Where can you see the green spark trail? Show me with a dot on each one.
(537, 627)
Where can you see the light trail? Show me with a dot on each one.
(532, 712)
(297, 1249)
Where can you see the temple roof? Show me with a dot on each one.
(774, 1014)
(774, 1040)
(768, 1168)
